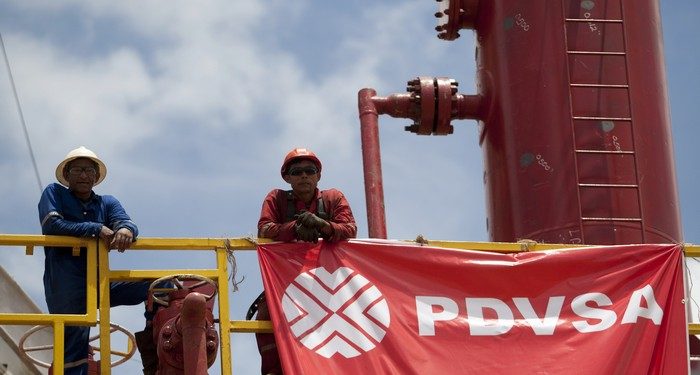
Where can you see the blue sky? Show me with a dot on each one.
(192, 106)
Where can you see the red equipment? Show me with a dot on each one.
(573, 116)
(588, 156)
(184, 330)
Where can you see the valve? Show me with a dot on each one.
(180, 283)
(123, 356)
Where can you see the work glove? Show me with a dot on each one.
(307, 234)
(308, 219)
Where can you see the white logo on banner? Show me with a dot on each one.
(339, 312)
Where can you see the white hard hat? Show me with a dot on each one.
(81, 152)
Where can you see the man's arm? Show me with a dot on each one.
(342, 222)
(125, 230)
(52, 220)
(271, 224)
(116, 216)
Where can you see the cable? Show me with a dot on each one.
(21, 115)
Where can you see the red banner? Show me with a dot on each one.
(384, 307)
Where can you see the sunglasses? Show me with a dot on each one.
(309, 171)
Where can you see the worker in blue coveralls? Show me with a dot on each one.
(75, 210)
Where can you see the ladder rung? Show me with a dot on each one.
(602, 53)
(602, 118)
(603, 85)
(604, 152)
(610, 185)
(637, 219)
(601, 20)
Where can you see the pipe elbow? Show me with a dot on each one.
(193, 311)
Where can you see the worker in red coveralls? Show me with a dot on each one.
(303, 213)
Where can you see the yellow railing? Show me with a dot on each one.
(58, 321)
(99, 255)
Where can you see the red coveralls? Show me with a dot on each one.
(277, 223)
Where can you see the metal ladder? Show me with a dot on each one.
(576, 120)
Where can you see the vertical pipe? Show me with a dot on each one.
(193, 327)
(371, 162)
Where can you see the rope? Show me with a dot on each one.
(690, 285)
(21, 115)
(252, 240)
(231, 258)
(525, 244)
(421, 240)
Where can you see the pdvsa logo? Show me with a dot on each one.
(339, 312)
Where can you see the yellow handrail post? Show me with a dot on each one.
(224, 315)
(58, 337)
(105, 329)
(91, 282)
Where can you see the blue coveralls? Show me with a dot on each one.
(62, 213)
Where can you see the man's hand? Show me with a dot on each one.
(310, 220)
(106, 234)
(120, 240)
(306, 234)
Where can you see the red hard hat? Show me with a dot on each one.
(299, 154)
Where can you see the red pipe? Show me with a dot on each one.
(468, 107)
(396, 105)
(449, 105)
(192, 324)
(371, 162)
